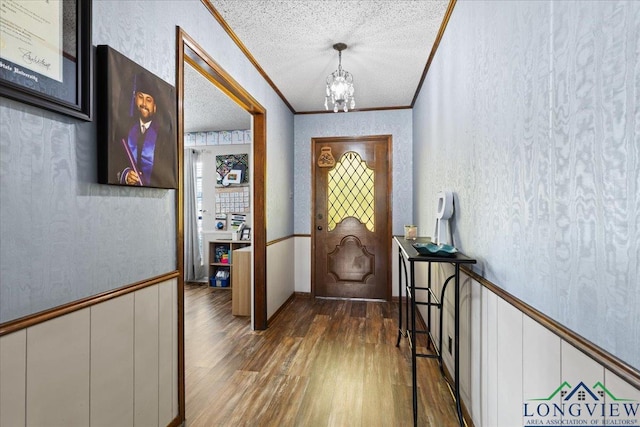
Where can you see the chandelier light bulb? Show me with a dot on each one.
(340, 91)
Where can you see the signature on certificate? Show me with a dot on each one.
(30, 58)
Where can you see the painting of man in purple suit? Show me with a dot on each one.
(140, 126)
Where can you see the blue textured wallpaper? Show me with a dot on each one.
(280, 173)
(393, 122)
(62, 236)
(530, 113)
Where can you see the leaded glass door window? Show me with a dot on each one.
(351, 192)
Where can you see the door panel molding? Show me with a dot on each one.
(348, 243)
(351, 247)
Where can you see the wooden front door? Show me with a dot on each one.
(351, 222)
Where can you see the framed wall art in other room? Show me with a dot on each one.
(232, 169)
(136, 120)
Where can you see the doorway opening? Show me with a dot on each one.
(190, 54)
(218, 168)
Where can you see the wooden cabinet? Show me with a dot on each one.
(241, 282)
(221, 259)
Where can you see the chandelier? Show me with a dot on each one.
(340, 86)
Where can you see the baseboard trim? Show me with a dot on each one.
(281, 309)
(176, 422)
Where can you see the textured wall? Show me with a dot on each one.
(64, 237)
(280, 175)
(394, 122)
(530, 114)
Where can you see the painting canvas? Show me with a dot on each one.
(136, 121)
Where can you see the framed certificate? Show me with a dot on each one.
(45, 54)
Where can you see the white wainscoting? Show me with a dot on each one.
(507, 358)
(112, 347)
(114, 363)
(303, 264)
(281, 261)
(13, 368)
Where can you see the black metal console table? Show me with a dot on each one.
(408, 254)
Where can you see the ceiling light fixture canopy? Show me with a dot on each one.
(340, 86)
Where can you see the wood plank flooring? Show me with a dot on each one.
(321, 363)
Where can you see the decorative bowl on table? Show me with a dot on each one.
(433, 249)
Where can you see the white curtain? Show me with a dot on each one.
(193, 268)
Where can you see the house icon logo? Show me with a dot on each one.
(581, 405)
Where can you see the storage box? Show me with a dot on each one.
(221, 279)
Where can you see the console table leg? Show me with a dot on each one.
(400, 265)
(413, 347)
(457, 344)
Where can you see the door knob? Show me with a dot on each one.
(319, 227)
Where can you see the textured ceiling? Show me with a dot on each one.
(389, 42)
(207, 108)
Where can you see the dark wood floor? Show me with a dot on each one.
(321, 363)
